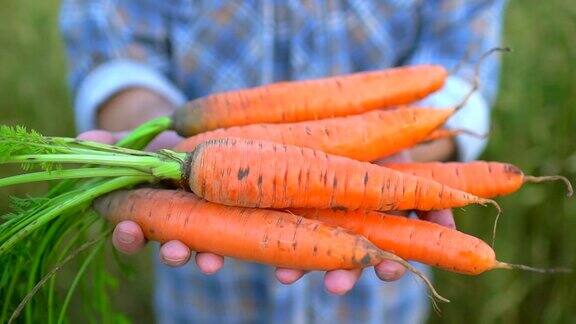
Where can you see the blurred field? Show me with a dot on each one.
(533, 123)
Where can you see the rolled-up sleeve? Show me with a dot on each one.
(458, 33)
(111, 46)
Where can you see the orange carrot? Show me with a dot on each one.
(251, 173)
(266, 236)
(418, 240)
(311, 99)
(365, 137)
(480, 178)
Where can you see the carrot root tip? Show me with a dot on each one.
(476, 78)
(569, 189)
(485, 202)
(434, 294)
(512, 266)
(495, 227)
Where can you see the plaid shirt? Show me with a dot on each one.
(186, 49)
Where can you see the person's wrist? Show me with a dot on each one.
(130, 108)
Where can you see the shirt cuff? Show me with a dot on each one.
(112, 77)
(474, 116)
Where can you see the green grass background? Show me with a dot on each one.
(532, 128)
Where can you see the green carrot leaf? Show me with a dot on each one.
(18, 140)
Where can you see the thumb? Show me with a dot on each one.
(98, 135)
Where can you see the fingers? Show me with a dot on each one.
(442, 217)
(339, 282)
(400, 157)
(174, 253)
(209, 263)
(389, 270)
(128, 237)
(288, 276)
(98, 136)
(165, 140)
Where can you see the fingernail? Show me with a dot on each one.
(125, 238)
(171, 259)
(389, 273)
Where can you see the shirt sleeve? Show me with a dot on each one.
(458, 33)
(113, 45)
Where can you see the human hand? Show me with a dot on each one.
(126, 110)
(129, 238)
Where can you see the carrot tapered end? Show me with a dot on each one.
(569, 189)
(511, 266)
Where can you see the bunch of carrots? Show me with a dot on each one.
(280, 174)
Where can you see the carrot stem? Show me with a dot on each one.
(68, 174)
(75, 201)
(52, 272)
(61, 211)
(533, 179)
(78, 276)
(143, 134)
(108, 159)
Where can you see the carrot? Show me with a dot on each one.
(250, 173)
(263, 174)
(418, 240)
(480, 178)
(266, 236)
(310, 99)
(285, 102)
(365, 137)
(295, 101)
